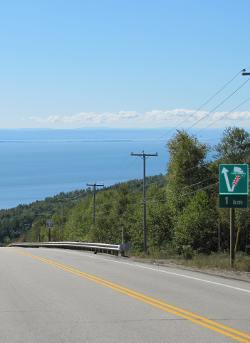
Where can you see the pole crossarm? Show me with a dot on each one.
(94, 185)
(143, 154)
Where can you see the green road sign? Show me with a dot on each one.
(233, 179)
(233, 201)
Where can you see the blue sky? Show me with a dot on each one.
(133, 63)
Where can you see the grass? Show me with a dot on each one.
(219, 261)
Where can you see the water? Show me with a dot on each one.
(40, 163)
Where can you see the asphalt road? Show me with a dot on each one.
(50, 296)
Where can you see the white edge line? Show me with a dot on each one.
(167, 272)
(186, 276)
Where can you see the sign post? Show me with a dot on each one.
(49, 225)
(233, 189)
(232, 221)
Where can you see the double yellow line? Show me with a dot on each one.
(199, 320)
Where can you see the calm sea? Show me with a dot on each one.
(40, 163)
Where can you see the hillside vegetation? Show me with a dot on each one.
(183, 214)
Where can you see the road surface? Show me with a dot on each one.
(52, 296)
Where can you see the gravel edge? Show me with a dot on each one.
(227, 274)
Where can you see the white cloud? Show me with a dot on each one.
(240, 115)
(86, 118)
(154, 118)
(46, 120)
(219, 115)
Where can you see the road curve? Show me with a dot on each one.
(50, 295)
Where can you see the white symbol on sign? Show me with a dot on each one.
(238, 171)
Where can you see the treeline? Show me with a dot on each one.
(15, 222)
(183, 213)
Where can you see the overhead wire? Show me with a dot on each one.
(196, 122)
(220, 104)
(197, 183)
(140, 202)
(189, 193)
(227, 113)
(200, 189)
(204, 103)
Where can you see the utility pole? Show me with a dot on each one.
(94, 185)
(49, 224)
(145, 238)
(244, 73)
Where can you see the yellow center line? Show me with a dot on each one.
(195, 318)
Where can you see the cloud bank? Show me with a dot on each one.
(154, 118)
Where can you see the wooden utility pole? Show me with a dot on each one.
(145, 238)
(232, 227)
(94, 185)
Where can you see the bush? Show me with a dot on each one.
(187, 252)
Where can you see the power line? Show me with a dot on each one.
(197, 183)
(199, 189)
(189, 193)
(200, 167)
(221, 103)
(231, 111)
(220, 90)
(205, 102)
(188, 186)
(157, 201)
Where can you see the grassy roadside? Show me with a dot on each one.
(214, 261)
(219, 261)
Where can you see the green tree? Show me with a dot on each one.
(196, 226)
(159, 218)
(186, 167)
(79, 221)
(234, 146)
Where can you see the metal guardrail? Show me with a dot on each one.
(115, 249)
